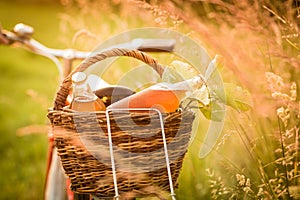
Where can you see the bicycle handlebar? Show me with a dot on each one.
(22, 36)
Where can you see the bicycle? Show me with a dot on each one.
(22, 36)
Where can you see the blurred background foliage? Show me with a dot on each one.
(257, 156)
(24, 98)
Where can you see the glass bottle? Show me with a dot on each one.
(163, 96)
(83, 97)
(95, 83)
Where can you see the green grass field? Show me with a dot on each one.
(28, 83)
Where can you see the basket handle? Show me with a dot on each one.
(63, 91)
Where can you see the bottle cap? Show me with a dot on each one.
(78, 77)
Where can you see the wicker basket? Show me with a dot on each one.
(111, 153)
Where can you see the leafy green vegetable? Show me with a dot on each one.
(213, 111)
(235, 97)
(215, 65)
(184, 69)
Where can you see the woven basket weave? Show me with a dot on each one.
(82, 141)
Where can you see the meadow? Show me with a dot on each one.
(28, 85)
(257, 154)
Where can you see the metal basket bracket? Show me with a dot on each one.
(114, 171)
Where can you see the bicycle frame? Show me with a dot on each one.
(21, 36)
